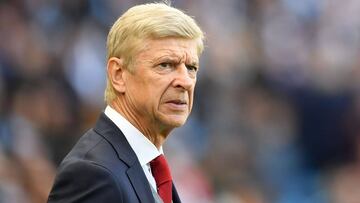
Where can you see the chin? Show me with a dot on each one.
(175, 122)
(178, 124)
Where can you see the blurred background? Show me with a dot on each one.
(277, 109)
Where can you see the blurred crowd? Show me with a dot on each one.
(277, 106)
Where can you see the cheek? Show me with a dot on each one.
(160, 85)
(191, 99)
(154, 92)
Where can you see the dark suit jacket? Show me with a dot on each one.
(102, 168)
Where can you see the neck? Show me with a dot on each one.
(156, 135)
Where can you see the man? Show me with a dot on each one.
(153, 59)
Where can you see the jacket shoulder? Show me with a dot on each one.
(84, 181)
(87, 173)
(92, 147)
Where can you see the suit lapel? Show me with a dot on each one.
(106, 128)
(175, 195)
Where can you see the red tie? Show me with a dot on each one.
(161, 173)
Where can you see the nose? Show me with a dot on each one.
(183, 79)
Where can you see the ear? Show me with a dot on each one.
(115, 71)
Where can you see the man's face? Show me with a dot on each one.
(160, 88)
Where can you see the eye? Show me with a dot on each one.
(192, 68)
(165, 65)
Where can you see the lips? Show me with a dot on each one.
(177, 105)
(177, 102)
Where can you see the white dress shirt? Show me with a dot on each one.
(145, 150)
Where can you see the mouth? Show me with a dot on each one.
(177, 102)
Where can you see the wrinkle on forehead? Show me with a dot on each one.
(177, 57)
(176, 50)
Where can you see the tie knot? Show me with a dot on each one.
(160, 170)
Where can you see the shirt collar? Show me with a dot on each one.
(143, 148)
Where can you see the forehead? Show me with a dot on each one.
(171, 47)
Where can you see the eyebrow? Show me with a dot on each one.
(194, 63)
(168, 58)
(177, 59)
